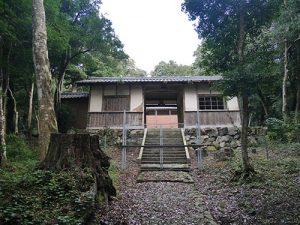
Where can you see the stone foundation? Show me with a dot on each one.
(221, 142)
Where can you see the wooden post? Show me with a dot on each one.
(124, 142)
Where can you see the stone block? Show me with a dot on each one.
(222, 144)
(227, 151)
(232, 131)
(211, 148)
(211, 132)
(216, 144)
(223, 131)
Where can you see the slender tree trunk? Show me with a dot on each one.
(3, 157)
(29, 118)
(6, 84)
(61, 76)
(4, 106)
(245, 100)
(284, 82)
(38, 123)
(244, 138)
(16, 113)
(47, 120)
(263, 102)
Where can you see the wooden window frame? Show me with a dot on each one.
(208, 104)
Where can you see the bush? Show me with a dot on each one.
(280, 131)
(17, 149)
(44, 197)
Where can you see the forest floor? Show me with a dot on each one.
(215, 197)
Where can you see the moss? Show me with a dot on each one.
(114, 174)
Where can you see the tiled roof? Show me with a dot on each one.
(193, 79)
(67, 95)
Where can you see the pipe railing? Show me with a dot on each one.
(161, 145)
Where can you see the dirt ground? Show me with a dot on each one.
(215, 197)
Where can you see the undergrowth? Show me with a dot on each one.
(271, 195)
(32, 196)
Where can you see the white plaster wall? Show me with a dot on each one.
(96, 99)
(203, 88)
(233, 104)
(113, 90)
(190, 98)
(136, 99)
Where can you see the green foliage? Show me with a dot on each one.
(172, 69)
(81, 43)
(281, 131)
(17, 149)
(114, 174)
(267, 25)
(44, 197)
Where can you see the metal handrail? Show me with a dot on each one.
(161, 153)
(161, 145)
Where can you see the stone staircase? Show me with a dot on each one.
(174, 158)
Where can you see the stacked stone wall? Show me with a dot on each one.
(221, 142)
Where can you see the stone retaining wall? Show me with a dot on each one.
(221, 142)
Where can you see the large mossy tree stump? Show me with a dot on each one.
(73, 151)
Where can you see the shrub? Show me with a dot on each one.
(283, 131)
(17, 149)
(44, 197)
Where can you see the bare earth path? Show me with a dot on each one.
(156, 202)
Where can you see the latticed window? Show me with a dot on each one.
(211, 103)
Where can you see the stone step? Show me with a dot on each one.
(157, 149)
(164, 162)
(173, 143)
(169, 161)
(176, 167)
(174, 158)
(166, 153)
(165, 157)
(182, 153)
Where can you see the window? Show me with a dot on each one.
(211, 103)
(116, 103)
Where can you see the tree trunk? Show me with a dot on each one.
(245, 101)
(29, 118)
(16, 113)
(47, 120)
(70, 151)
(263, 102)
(284, 82)
(244, 137)
(61, 75)
(2, 131)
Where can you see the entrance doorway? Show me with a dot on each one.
(163, 107)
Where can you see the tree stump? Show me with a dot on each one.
(71, 151)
